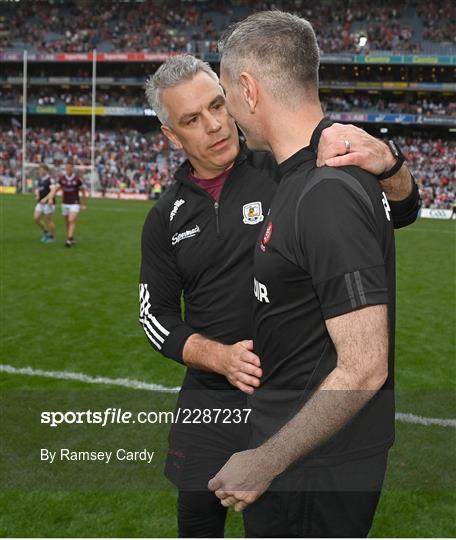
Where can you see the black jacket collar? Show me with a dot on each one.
(307, 153)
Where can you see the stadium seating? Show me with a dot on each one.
(136, 160)
(124, 157)
(434, 166)
(134, 157)
(194, 27)
(378, 102)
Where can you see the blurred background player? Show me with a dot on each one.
(71, 186)
(44, 211)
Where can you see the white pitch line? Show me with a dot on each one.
(439, 231)
(140, 385)
(422, 420)
(82, 377)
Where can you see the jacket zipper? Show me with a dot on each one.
(196, 188)
(216, 210)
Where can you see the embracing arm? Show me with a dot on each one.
(160, 291)
(161, 317)
(237, 362)
(374, 156)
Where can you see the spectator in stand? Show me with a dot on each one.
(433, 164)
(120, 154)
(384, 103)
(361, 101)
(439, 21)
(157, 190)
(431, 160)
(171, 26)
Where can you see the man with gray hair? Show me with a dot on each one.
(324, 271)
(198, 240)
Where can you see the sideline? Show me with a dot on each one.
(140, 385)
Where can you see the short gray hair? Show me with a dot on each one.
(279, 48)
(174, 71)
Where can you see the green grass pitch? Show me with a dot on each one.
(76, 310)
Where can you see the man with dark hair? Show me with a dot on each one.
(71, 186)
(324, 280)
(44, 210)
(198, 240)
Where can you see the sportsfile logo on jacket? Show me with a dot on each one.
(178, 237)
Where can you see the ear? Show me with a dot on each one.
(249, 90)
(171, 136)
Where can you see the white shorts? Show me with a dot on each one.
(45, 208)
(70, 209)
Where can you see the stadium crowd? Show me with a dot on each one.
(339, 26)
(77, 97)
(129, 159)
(125, 158)
(356, 102)
(381, 103)
(181, 26)
(433, 164)
(85, 26)
(439, 21)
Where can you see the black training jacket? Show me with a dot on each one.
(203, 249)
(193, 246)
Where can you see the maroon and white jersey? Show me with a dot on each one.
(70, 186)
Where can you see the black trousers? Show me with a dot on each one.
(200, 515)
(197, 452)
(322, 502)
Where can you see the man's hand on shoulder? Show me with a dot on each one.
(344, 144)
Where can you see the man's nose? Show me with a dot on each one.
(212, 123)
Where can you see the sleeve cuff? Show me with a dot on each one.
(174, 345)
(406, 211)
(372, 299)
(352, 290)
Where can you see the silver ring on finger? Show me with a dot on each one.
(347, 146)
